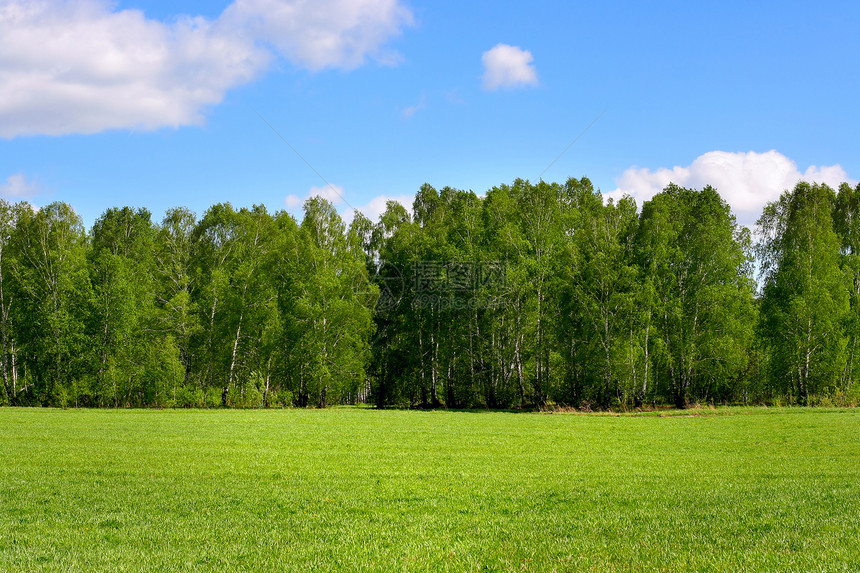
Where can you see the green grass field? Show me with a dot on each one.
(357, 489)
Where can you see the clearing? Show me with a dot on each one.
(358, 489)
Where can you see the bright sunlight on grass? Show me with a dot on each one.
(358, 489)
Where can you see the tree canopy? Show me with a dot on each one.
(533, 294)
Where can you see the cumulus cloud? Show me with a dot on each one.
(323, 33)
(332, 193)
(374, 208)
(79, 67)
(747, 181)
(18, 188)
(508, 67)
(84, 67)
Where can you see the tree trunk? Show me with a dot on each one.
(519, 366)
(434, 364)
(232, 363)
(4, 317)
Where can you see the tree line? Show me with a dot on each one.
(534, 294)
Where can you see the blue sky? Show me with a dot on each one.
(134, 103)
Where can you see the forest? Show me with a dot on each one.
(532, 295)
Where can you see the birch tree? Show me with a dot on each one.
(53, 289)
(692, 252)
(235, 296)
(121, 272)
(805, 300)
(330, 317)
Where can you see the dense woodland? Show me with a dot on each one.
(532, 295)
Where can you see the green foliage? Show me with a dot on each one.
(598, 305)
(53, 287)
(600, 331)
(536, 294)
(805, 302)
(697, 263)
(121, 267)
(846, 222)
(234, 293)
(329, 312)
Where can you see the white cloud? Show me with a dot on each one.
(18, 188)
(293, 201)
(374, 208)
(411, 110)
(321, 34)
(747, 181)
(84, 67)
(79, 67)
(332, 193)
(508, 67)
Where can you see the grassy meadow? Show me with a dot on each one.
(362, 490)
